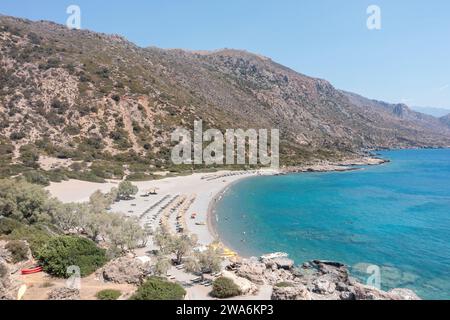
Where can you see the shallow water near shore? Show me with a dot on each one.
(395, 216)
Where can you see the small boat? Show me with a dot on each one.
(274, 255)
(31, 270)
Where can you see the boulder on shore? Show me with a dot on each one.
(278, 263)
(245, 286)
(125, 270)
(290, 292)
(252, 270)
(266, 271)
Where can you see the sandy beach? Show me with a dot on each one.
(194, 194)
(202, 188)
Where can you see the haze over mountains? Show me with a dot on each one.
(432, 111)
(85, 95)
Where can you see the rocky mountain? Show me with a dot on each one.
(445, 120)
(102, 101)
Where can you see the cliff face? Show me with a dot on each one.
(80, 94)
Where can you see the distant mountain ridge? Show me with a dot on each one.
(90, 96)
(432, 111)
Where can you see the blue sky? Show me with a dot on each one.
(408, 60)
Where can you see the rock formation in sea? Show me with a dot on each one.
(315, 280)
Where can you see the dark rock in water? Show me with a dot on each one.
(284, 263)
(328, 263)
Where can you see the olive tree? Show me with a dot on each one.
(179, 245)
(24, 201)
(183, 245)
(161, 266)
(126, 190)
(99, 202)
(208, 261)
(162, 239)
(123, 233)
(69, 216)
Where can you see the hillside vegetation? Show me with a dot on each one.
(110, 106)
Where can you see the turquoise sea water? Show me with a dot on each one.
(396, 216)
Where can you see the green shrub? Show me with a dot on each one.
(159, 289)
(29, 156)
(107, 170)
(61, 252)
(17, 135)
(225, 288)
(36, 235)
(23, 201)
(18, 249)
(6, 150)
(284, 284)
(47, 284)
(57, 175)
(72, 130)
(36, 177)
(85, 176)
(108, 294)
(3, 270)
(7, 225)
(126, 190)
(139, 176)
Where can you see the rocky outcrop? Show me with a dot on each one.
(9, 286)
(5, 282)
(5, 254)
(315, 280)
(125, 270)
(262, 273)
(252, 270)
(342, 165)
(64, 294)
(290, 292)
(278, 263)
(246, 287)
